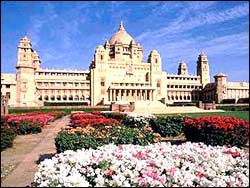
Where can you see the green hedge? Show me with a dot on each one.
(234, 108)
(65, 104)
(66, 110)
(117, 135)
(168, 125)
(7, 137)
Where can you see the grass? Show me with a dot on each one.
(68, 111)
(237, 114)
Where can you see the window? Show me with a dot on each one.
(102, 82)
(8, 95)
(158, 83)
(7, 85)
(101, 57)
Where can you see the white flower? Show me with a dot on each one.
(160, 164)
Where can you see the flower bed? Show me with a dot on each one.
(160, 164)
(217, 130)
(83, 119)
(29, 122)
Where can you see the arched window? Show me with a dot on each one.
(70, 97)
(64, 97)
(58, 97)
(147, 77)
(101, 57)
(52, 97)
(46, 97)
(176, 97)
(76, 98)
(185, 98)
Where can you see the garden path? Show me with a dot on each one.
(28, 151)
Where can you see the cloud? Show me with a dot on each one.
(184, 22)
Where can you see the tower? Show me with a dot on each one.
(156, 81)
(203, 69)
(221, 87)
(25, 75)
(182, 70)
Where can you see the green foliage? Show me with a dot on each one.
(168, 126)
(237, 114)
(118, 116)
(66, 110)
(117, 135)
(234, 108)
(7, 137)
(65, 103)
(28, 128)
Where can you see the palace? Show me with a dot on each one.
(117, 73)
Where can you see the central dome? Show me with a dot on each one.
(121, 36)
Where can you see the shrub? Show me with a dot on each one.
(118, 116)
(77, 139)
(26, 127)
(137, 120)
(7, 137)
(217, 130)
(168, 126)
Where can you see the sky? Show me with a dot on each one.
(66, 34)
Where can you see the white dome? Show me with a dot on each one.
(121, 36)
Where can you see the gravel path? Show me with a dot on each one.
(19, 163)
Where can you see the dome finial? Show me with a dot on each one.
(121, 28)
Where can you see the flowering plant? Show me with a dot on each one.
(83, 119)
(217, 130)
(160, 164)
(137, 120)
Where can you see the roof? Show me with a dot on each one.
(121, 36)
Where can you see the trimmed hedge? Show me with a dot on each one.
(65, 104)
(234, 108)
(168, 126)
(7, 137)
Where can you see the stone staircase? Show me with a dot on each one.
(156, 107)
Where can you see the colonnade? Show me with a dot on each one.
(130, 94)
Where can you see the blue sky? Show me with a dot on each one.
(66, 34)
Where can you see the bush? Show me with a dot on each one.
(7, 137)
(168, 126)
(65, 104)
(118, 116)
(228, 101)
(74, 139)
(233, 108)
(138, 120)
(26, 127)
(243, 100)
(217, 130)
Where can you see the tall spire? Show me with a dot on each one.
(121, 28)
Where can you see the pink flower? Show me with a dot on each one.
(200, 175)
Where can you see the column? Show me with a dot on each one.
(119, 94)
(140, 95)
(136, 93)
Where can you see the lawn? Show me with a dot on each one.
(237, 114)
